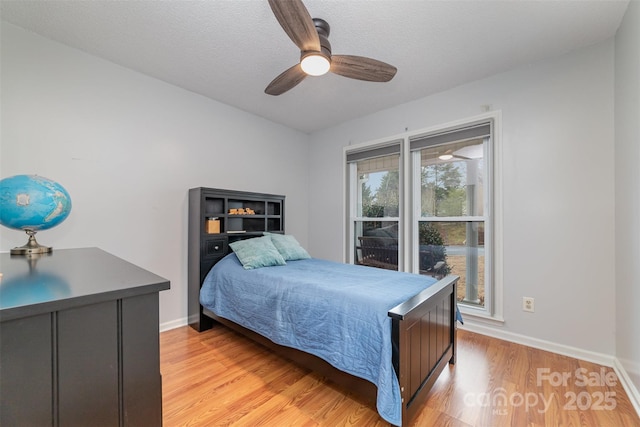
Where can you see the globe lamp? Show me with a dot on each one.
(32, 203)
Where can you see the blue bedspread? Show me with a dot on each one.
(335, 311)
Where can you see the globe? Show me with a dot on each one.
(32, 203)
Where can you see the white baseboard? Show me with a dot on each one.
(629, 386)
(174, 324)
(565, 350)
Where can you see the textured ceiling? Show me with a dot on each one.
(229, 50)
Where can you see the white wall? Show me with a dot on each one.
(127, 148)
(558, 185)
(627, 167)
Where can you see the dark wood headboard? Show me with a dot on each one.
(216, 218)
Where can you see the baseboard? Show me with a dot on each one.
(174, 324)
(565, 350)
(629, 386)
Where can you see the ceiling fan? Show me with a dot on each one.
(450, 154)
(311, 36)
(463, 152)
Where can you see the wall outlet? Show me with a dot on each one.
(528, 304)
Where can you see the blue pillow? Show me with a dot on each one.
(288, 247)
(257, 252)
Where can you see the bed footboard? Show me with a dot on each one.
(424, 337)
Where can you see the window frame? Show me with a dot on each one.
(485, 219)
(408, 218)
(350, 185)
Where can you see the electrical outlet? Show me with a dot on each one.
(528, 304)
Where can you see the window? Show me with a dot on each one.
(450, 200)
(374, 220)
(429, 211)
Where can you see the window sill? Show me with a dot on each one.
(476, 315)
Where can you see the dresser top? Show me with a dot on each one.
(69, 278)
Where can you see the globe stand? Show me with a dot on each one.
(32, 246)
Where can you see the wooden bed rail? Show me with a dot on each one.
(401, 310)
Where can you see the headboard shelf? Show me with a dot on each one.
(216, 218)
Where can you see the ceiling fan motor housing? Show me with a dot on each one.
(323, 29)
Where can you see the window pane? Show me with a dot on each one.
(378, 187)
(455, 248)
(376, 244)
(452, 179)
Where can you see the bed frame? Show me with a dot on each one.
(424, 342)
(423, 335)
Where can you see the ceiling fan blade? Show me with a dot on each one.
(361, 68)
(297, 23)
(285, 81)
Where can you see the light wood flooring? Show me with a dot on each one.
(219, 378)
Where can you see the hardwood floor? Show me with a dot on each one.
(219, 378)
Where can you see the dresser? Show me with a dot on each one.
(79, 341)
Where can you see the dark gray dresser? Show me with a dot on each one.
(79, 341)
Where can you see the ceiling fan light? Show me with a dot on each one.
(315, 64)
(446, 157)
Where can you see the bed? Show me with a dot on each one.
(343, 314)
(410, 336)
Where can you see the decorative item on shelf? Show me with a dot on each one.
(32, 203)
(241, 211)
(213, 225)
